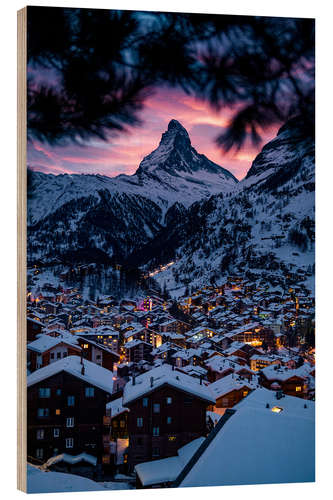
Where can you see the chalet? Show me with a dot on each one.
(34, 328)
(167, 411)
(66, 406)
(98, 353)
(138, 350)
(104, 335)
(291, 382)
(219, 367)
(118, 416)
(258, 362)
(228, 391)
(187, 356)
(46, 350)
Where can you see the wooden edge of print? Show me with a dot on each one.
(21, 248)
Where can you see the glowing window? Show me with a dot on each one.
(277, 409)
(298, 388)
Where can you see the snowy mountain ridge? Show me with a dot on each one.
(174, 172)
(266, 222)
(119, 215)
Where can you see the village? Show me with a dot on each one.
(138, 390)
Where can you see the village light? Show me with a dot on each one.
(277, 409)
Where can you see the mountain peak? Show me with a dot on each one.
(175, 136)
(175, 156)
(175, 125)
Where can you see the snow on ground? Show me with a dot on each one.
(39, 481)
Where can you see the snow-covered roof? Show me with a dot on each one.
(271, 372)
(71, 459)
(46, 342)
(93, 374)
(257, 446)
(116, 407)
(167, 469)
(291, 405)
(165, 375)
(227, 384)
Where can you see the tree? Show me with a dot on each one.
(98, 67)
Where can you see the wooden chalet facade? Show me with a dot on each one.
(164, 418)
(66, 412)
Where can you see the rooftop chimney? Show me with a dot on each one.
(133, 379)
(82, 369)
(151, 381)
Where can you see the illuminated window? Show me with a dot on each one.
(298, 388)
(156, 431)
(169, 400)
(169, 420)
(85, 346)
(171, 438)
(57, 412)
(145, 402)
(277, 409)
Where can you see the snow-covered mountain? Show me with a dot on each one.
(265, 223)
(121, 214)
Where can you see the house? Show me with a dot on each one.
(118, 415)
(66, 403)
(138, 350)
(46, 350)
(34, 328)
(228, 391)
(167, 411)
(258, 362)
(219, 367)
(291, 382)
(98, 353)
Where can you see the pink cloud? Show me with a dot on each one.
(123, 153)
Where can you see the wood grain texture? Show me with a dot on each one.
(21, 248)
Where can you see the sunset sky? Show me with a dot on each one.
(124, 152)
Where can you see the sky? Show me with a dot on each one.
(124, 152)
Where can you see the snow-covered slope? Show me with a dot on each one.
(119, 215)
(267, 222)
(174, 172)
